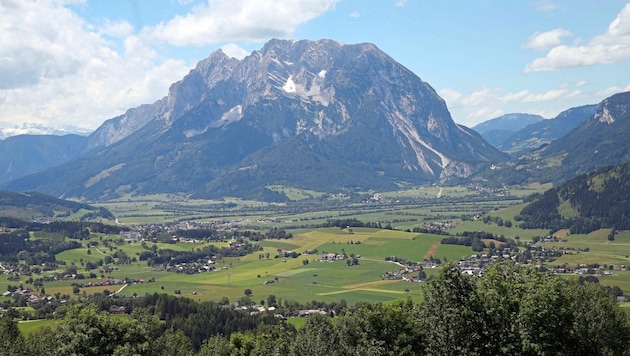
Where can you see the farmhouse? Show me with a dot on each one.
(330, 257)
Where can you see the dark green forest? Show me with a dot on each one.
(600, 199)
(33, 205)
(510, 310)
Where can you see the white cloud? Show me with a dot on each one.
(452, 97)
(233, 20)
(487, 103)
(56, 69)
(484, 113)
(234, 51)
(551, 95)
(546, 5)
(542, 41)
(401, 3)
(612, 90)
(481, 97)
(354, 14)
(119, 29)
(610, 47)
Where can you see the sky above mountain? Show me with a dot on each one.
(77, 63)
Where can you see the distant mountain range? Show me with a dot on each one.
(26, 154)
(497, 130)
(39, 130)
(600, 141)
(544, 132)
(311, 114)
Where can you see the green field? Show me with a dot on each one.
(303, 278)
(293, 279)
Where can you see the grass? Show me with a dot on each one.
(293, 279)
(30, 326)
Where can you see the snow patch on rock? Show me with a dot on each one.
(289, 86)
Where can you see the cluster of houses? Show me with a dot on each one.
(190, 267)
(408, 271)
(332, 257)
(28, 294)
(138, 233)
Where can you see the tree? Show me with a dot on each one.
(271, 300)
(598, 322)
(11, 340)
(377, 329)
(452, 314)
(317, 337)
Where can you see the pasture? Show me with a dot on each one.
(304, 278)
(299, 279)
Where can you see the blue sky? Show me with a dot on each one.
(80, 62)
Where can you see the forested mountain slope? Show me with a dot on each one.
(34, 205)
(585, 203)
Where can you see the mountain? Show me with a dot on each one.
(497, 130)
(597, 142)
(25, 154)
(28, 128)
(33, 205)
(543, 132)
(585, 203)
(312, 114)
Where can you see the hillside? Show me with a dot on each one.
(34, 206)
(585, 203)
(25, 154)
(597, 142)
(544, 132)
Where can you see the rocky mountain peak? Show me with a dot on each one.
(613, 108)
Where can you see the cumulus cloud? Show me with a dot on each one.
(233, 20)
(233, 50)
(612, 90)
(611, 47)
(119, 29)
(542, 41)
(56, 68)
(545, 5)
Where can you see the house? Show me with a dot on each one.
(117, 310)
(621, 298)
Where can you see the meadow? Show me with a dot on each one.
(304, 278)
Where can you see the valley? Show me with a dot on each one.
(405, 226)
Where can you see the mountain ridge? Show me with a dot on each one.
(331, 102)
(596, 142)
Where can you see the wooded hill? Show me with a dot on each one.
(34, 205)
(588, 202)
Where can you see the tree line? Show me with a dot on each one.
(510, 310)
